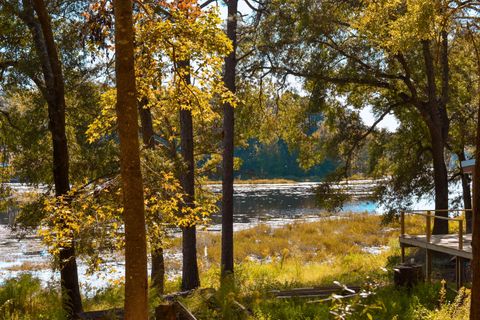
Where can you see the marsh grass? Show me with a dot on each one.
(319, 241)
(268, 258)
(317, 254)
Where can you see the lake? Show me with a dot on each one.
(254, 203)
(275, 204)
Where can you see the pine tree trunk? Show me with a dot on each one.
(227, 262)
(190, 277)
(136, 284)
(54, 94)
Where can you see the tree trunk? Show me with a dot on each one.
(467, 197)
(190, 277)
(475, 295)
(440, 177)
(54, 94)
(136, 284)
(158, 271)
(435, 115)
(227, 262)
(148, 136)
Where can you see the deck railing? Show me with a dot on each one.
(430, 214)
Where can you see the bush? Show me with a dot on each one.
(24, 298)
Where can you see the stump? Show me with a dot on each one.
(165, 312)
(407, 275)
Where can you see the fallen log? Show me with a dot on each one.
(314, 292)
(173, 296)
(170, 311)
(182, 312)
(111, 314)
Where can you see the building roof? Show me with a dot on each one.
(468, 165)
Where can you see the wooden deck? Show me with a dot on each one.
(444, 243)
(458, 245)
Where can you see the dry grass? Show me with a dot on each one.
(302, 253)
(310, 242)
(30, 266)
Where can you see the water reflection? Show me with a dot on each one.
(273, 201)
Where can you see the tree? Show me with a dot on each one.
(190, 277)
(227, 263)
(475, 297)
(393, 56)
(51, 85)
(475, 294)
(168, 37)
(136, 284)
(148, 137)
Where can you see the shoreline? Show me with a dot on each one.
(259, 251)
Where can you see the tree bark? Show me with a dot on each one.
(136, 284)
(467, 196)
(436, 118)
(158, 271)
(157, 275)
(227, 262)
(190, 277)
(440, 177)
(475, 294)
(54, 94)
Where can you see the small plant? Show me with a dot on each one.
(24, 298)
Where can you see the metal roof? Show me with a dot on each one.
(468, 165)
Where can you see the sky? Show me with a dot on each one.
(389, 122)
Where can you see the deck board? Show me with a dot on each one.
(445, 243)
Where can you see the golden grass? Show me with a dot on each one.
(305, 253)
(29, 266)
(310, 242)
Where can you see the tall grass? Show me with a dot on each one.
(24, 298)
(267, 258)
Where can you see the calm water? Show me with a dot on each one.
(263, 202)
(275, 204)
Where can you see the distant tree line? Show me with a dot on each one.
(269, 161)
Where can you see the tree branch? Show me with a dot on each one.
(367, 133)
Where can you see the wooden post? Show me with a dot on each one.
(402, 234)
(459, 260)
(402, 223)
(459, 272)
(460, 234)
(428, 227)
(428, 265)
